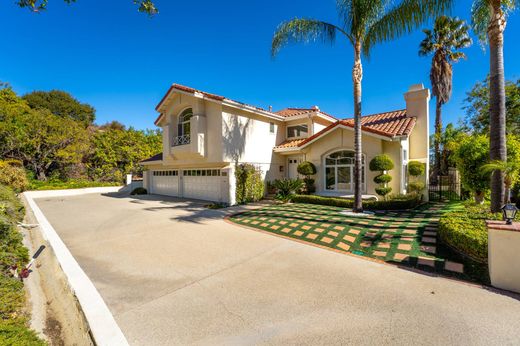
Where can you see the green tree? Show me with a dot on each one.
(363, 24)
(62, 104)
(476, 106)
(448, 37)
(116, 152)
(146, 6)
(489, 18)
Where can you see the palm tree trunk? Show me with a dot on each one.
(438, 135)
(357, 76)
(497, 102)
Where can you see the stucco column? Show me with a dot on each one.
(503, 255)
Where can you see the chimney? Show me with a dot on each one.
(270, 108)
(316, 108)
(417, 105)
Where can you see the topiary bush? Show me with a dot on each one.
(139, 191)
(249, 184)
(416, 168)
(382, 163)
(307, 169)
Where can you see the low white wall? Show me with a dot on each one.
(504, 255)
(103, 326)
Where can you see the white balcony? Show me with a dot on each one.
(181, 140)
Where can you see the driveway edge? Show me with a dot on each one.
(104, 328)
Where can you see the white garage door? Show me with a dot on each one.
(165, 183)
(202, 184)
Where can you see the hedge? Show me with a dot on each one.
(464, 229)
(393, 203)
(249, 184)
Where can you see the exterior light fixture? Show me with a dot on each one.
(509, 212)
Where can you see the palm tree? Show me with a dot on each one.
(511, 172)
(363, 23)
(449, 35)
(489, 18)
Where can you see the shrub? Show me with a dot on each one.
(383, 179)
(381, 162)
(139, 191)
(383, 191)
(249, 184)
(13, 174)
(398, 202)
(416, 186)
(306, 168)
(416, 168)
(286, 188)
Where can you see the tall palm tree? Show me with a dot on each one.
(489, 18)
(449, 35)
(363, 23)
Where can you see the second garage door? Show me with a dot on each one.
(202, 184)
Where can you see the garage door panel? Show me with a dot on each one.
(202, 184)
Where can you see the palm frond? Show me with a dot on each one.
(405, 17)
(303, 30)
(480, 17)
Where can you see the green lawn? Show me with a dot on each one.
(408, 238)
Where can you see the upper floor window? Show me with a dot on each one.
(271, 127)
(300, 130)
(184, 122)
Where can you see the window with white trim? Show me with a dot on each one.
(339, 171)
(296, 131)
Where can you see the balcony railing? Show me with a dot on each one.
(181, 140)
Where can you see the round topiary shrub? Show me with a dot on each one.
(383, 179)
(383, 190)
(416, 168)
(381, 162)
(306, 168)
(139, 191)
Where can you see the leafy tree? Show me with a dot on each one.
(477, 107)
(471, 153)
(489, 18)
(415, 170)
(364, 24)
(62, 104)
(307, 168)
(44, 142)
(448, 37)
(511, 170)
(117, 152)
(146, 6)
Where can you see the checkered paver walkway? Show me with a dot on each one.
(408, 237)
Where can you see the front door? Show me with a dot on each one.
(292, 165)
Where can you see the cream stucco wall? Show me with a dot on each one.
(342, 139)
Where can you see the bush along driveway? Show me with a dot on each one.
(406, 237)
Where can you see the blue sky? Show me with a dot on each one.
(122, 62)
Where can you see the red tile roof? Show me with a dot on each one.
(388, 124)
(291, 143)
(289, 112)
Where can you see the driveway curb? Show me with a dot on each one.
(102, 324)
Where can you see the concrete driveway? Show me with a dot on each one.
(173, 272)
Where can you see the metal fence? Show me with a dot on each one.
(445, 188)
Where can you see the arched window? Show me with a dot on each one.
(184, 122)
(339, 171)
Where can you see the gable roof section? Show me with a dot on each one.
(214, 97)
(389, 124)
(290, 143)
(293, 112)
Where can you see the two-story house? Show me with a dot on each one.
(205, 135)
